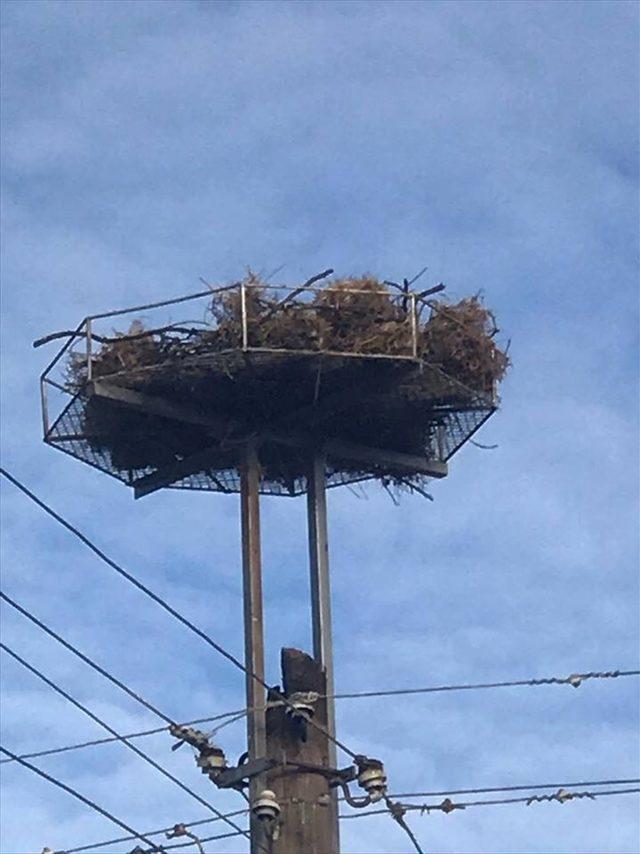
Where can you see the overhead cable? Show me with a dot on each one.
(570, 680)
(76, 794)
(120, 738)
(444, 792)
(85, 658)
(448, 806)
(165, 605)
(575, 680)
(96, 741)
(514, 788)
(95, 845)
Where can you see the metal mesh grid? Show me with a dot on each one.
(67, 435)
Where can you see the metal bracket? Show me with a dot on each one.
(230, 777)
(335, 776)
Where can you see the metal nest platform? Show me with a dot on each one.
(174, 402)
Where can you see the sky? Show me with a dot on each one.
(146, 144)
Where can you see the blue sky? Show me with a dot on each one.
(147, 144)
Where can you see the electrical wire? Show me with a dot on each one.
(161, 830)
(533, 787)
(235, 715)
(397, 811)
(110, 729)
(80, 797)
(85, 658)
(575, 680)
(553, 680)
(514, 788)
(166, 606)
(452, 807)
(187, 844)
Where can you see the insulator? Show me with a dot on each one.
(372, 779)
(211, 760)
(266, 807)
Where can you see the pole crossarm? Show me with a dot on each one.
(154, 405)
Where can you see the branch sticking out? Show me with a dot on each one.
(291, 296)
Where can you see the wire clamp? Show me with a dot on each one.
(195, 737)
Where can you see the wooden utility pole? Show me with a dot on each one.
(307, 820)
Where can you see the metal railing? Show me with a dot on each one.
(86, 335)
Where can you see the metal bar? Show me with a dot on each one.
(162, 303)
(89, 347)
(244, 320)
(61, 353)
(414, 326)
(321, 628)
(440, 437)
(201, 461)
(66, 389)
(253, 625)
(44, 403)
(320, 583)
(153, 405)
(347, 355)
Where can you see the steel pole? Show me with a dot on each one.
(253, 624)
(321, 630)
(320, 585)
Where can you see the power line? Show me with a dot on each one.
(397, 812)
(140, 734)
(533, 787)
(448, 806)
(575, 680)
(190, 842)
(110, 729)
(79, 797)
(514, 788)
(85, 658)
(120, 839)
(165, 605)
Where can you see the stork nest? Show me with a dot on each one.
(300, 355)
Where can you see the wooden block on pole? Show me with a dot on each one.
(307, 819)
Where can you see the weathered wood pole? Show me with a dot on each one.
(307, 819)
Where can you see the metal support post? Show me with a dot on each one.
(320, 585)
(243, 316)
(253, 624)
(322, 634)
